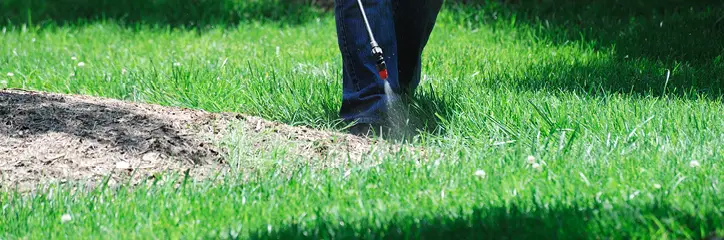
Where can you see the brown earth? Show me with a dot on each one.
(53, 138)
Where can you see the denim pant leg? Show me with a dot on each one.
(414, 21)
(364, 97)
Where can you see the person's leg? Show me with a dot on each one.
(414, 22)
(363, 98)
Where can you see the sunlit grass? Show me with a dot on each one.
(617, 149)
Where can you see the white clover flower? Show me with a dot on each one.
(694, 164)
(531, 159)
(177, 64)
(537, 166)
(657, 186)
(124, 71)
(480, 173)
(65, 218)
(74, 58)
(11, 74)
(81, 64)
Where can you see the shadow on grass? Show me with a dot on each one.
(425, 112)
(430, 109)
(645, 37)
(512, 223)
(175, 13)
(634, 78)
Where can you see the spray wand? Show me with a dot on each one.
(376, 49)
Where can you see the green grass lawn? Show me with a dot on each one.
(620, 150)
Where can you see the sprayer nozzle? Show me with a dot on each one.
(382, 69)
(383, 74)
(381, 65)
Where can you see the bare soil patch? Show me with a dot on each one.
(49, 138)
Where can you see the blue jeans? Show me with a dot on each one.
(402, 29)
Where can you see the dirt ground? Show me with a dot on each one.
(53, 138)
